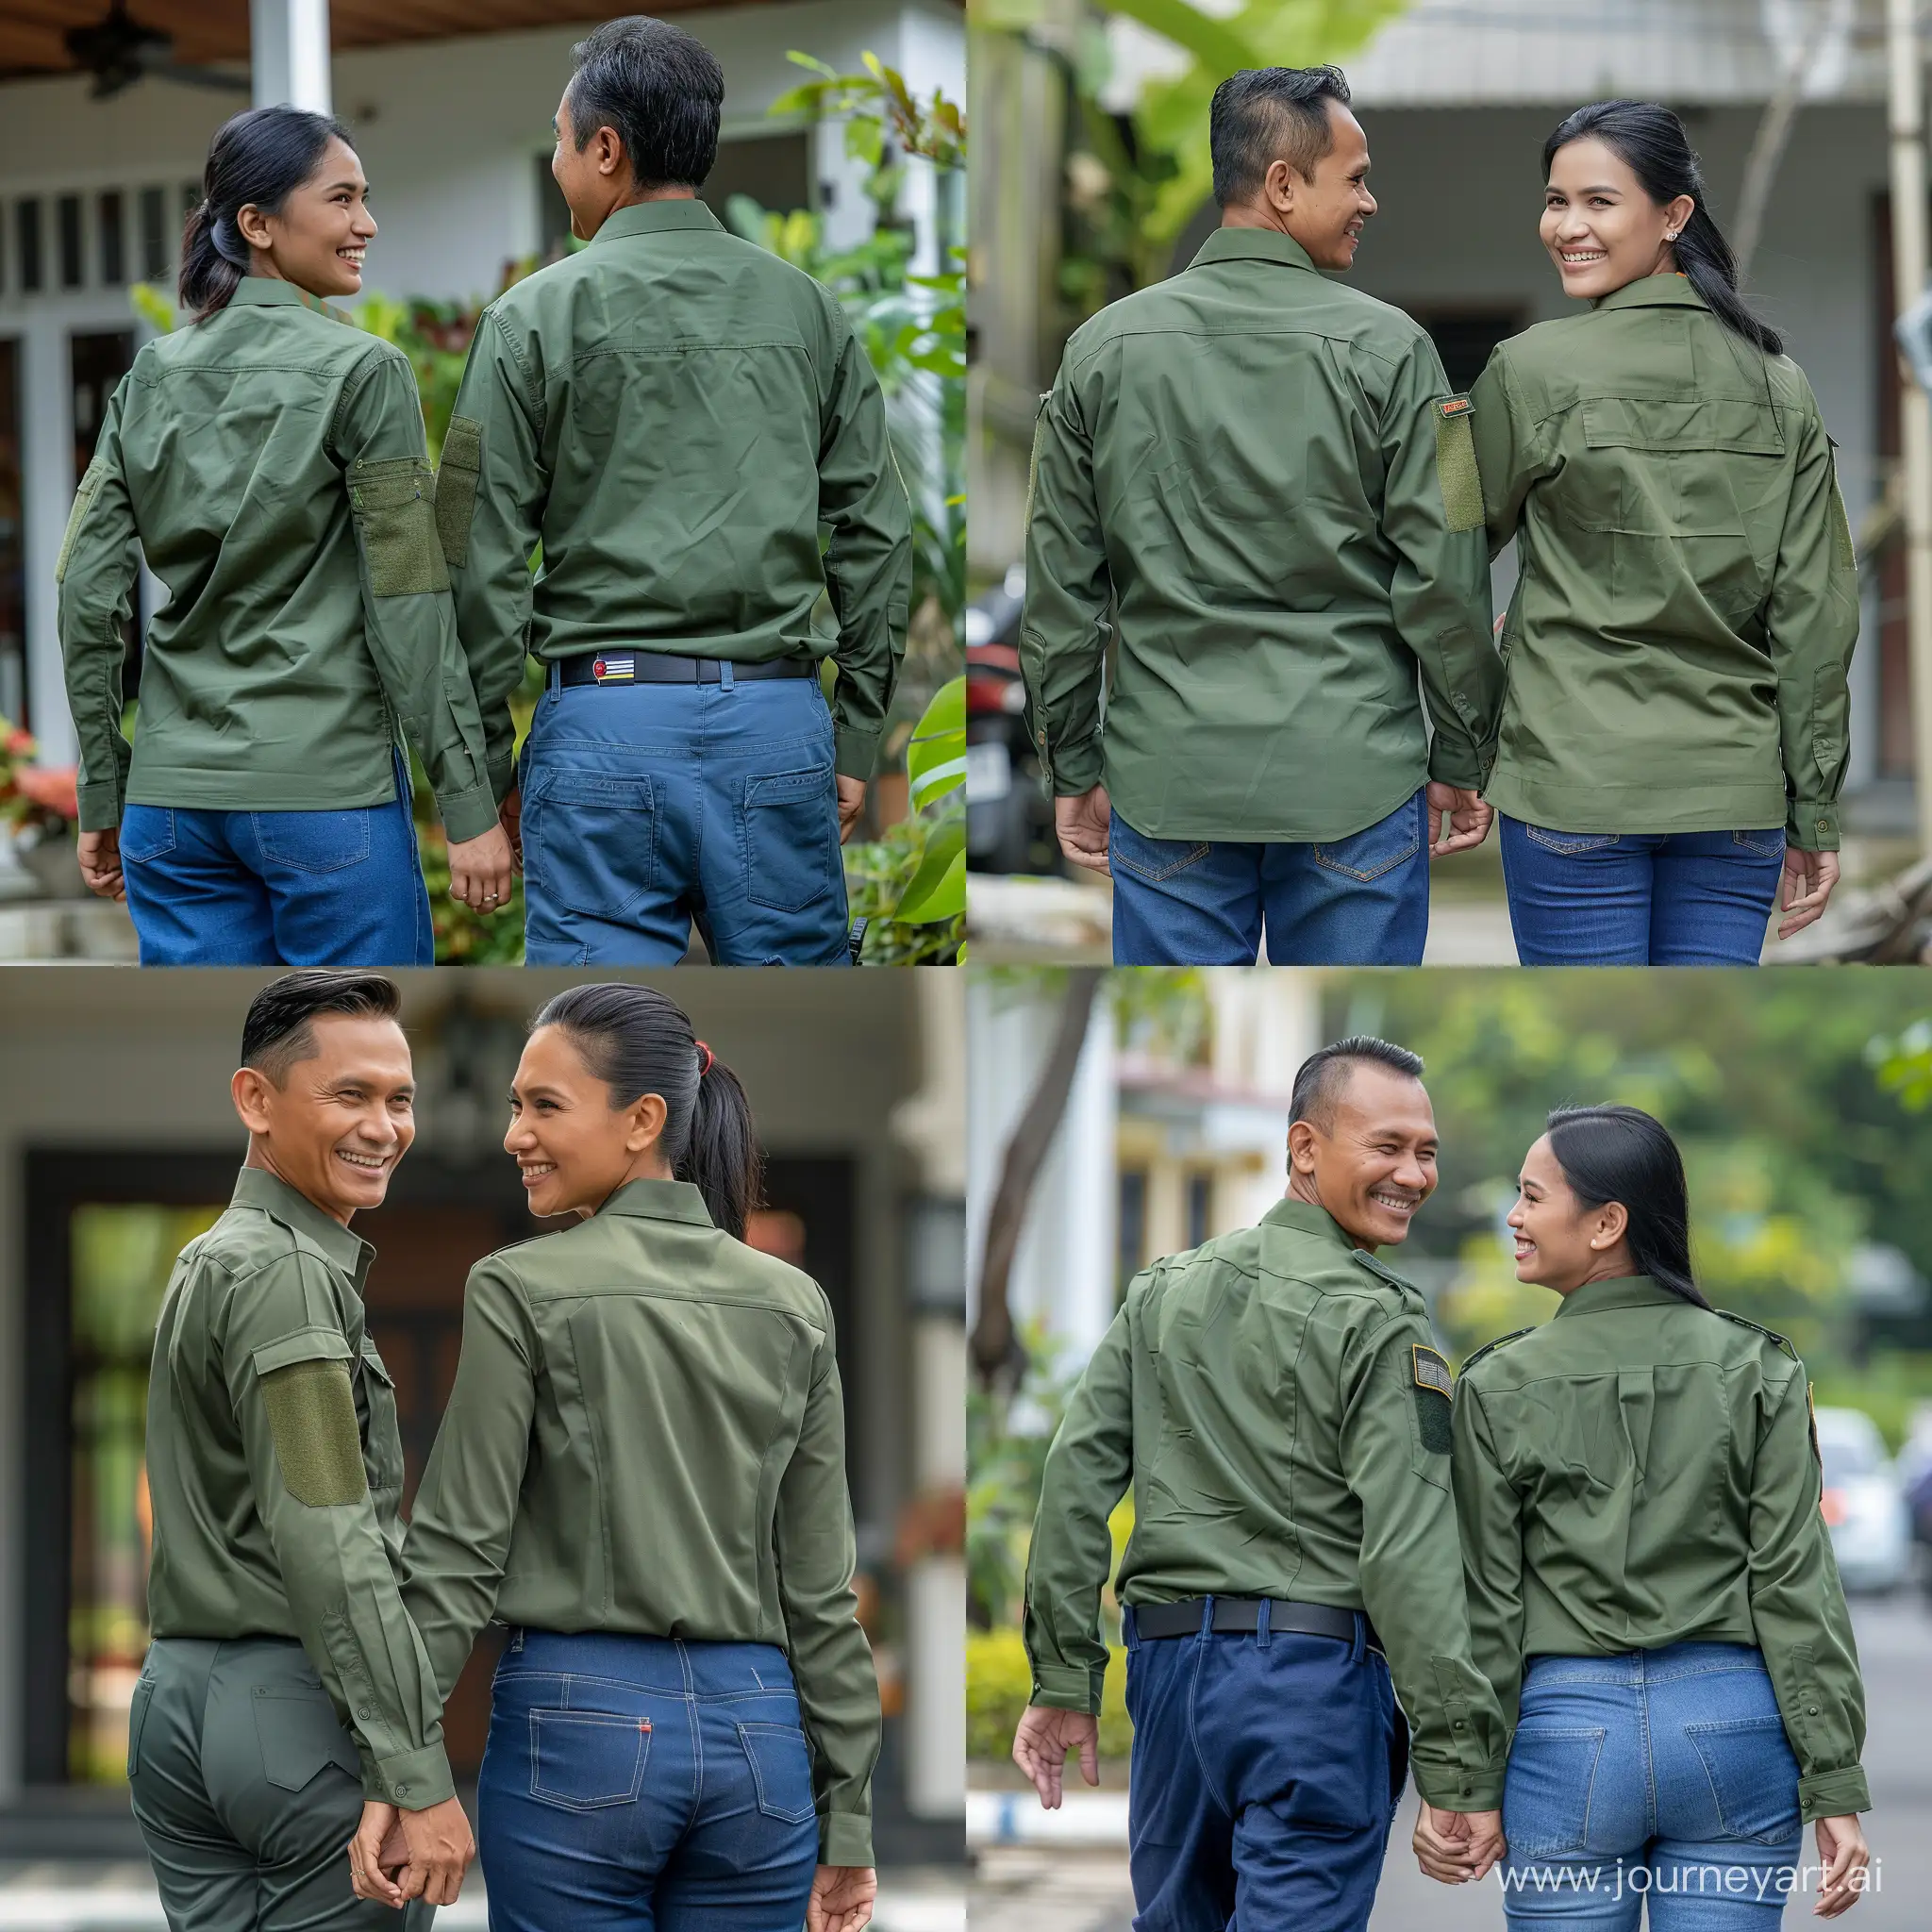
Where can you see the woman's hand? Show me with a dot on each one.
(841, 1898)
(100, 864)
(1458, 819)
(1456, 1847)
(480, 871)
(1842, 1852)
(1080, 825)
(1806, 886)
(374, 1836)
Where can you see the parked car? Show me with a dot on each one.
(1864, 1502)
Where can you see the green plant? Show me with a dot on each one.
(999, 1681)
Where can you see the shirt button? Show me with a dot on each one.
(402, 1791)
(364, 1712)
(1812, 1709)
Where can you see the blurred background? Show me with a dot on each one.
(117, 1144)
(842, 149)
(1090, 180)
(1114, 1117)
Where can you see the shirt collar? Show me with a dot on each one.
(1624, 1291)
(255, 1187)
(1305, 1218)
(1653, 291)
(1253, 245)
(269, 292)
(660, 1201)
(654, 218)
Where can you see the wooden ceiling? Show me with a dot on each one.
(31, 31)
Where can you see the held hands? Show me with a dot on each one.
(842, 1895)
(1804, 890)
(480, 871)
(1842, 1852)
(1458, 819)
(1081, 824)
(851, 803)
(395, 1856)
(1045, 1737)
(100, 864)
(510, 814)
(1457, 1847)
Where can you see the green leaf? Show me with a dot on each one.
(1216, 45)
(936, 755)
(938, 889)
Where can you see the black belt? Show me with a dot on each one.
(1242, 1614)
(606, 668)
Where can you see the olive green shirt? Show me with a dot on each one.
(1639, 1471)
(676, 413)
(269, 462)
(647, 1435)
(274, 1471)
(1250, 464)
(1276, 1405)
(1687, 598)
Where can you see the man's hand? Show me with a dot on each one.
(851, 803)
(1042, 1743)
(1802, 891)
(841, 1898)
(366, 1855)
(480, 871)
(1458, 819)
(1842, 1852)
(440, 1848)
(100, 864)
(1082, 823)
(1457, 1847)
(510, 815)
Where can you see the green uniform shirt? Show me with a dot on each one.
(647, 1435)
(275, 1468)
(270, 462)
(1252, 463)
(1277, 1406)
(676, 414)
(1639, 1471)
(1688, 601)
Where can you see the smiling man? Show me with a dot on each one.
(1256, 478)
(284, 1680)
(1277, 1404)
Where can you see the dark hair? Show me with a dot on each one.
(637, 1042)
(255, 160)
(1319, 1079)
(277, 1032)
(1649, 140)
(1620, 1153)
(1268, 114)
(659, 88)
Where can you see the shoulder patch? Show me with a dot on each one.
(1759, 1328)
(1456, 405)
(1500, 1341)
(1431, 1369)
(1457, 474)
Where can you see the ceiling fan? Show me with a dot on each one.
(118, 52)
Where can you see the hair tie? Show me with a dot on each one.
(709, 1057)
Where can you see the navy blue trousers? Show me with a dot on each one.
(1264, 1779)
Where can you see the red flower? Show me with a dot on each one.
(52, 790)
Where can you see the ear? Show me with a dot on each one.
(1612, 1224)
(1678, 215)
(252, 226)
(645, 1126)
(1278, 186)
(609, 151)
(251, 1090)
(1301, 1147)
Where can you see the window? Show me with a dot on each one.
(1200, 1203)
(153, 233)
(1464, 337)
(28, 228)
(774, 169)
(113, 238)
(67, 218)
(12, 580)
(1133, 1228)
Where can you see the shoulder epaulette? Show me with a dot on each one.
(1500, 1341)
(1387, 1275)
(1759, 1327)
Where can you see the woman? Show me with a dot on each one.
(269, 462)
(1649, 1573)
(642, 1472)
(1673, 737)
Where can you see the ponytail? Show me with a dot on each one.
(638, 1041)
(1651, 142)
(255, 160)
(1621, 1154)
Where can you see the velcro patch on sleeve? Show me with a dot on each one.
(455, 488)
(83, 502)
(311, 1415)
(1455, 471)
(1432, 1371)
(1434, 1386)
(396, 509)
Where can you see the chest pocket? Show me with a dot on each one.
(382, 1438)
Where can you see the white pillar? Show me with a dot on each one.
(288, 48)
(48, 481)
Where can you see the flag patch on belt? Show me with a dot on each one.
(615, 670)
(1432, 1370)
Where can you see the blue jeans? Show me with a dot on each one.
(1359, 901)
(1640, 898)
(1263, 1780)
(649, 806)
(639, 1784)
(214, 888)
(1661, 1774)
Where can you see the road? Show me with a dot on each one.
(1022, 1888)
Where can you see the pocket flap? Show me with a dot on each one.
(1717, 423)
(607, 792)
(299, 1734)
(376, 1365)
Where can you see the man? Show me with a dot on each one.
(1275, 1403)
(275, 1469)
(1267, 475)
(674, 413)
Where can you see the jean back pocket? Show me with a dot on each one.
(780, 1770)
(1754, 1777)
(590, 839)
(582, 1760)
(1547, 1789)
(1376, 849)
(791, 838)
(314, 842)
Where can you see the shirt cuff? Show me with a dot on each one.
(855, 751)
(1066, 1687)
(846, 1838)
(1811, 824)
(1456, 761)
(412, 1780)
(100, 806)
(1457, 1788)
(502, 767)
(1072, 770)
(468, 815)
(1833, 1793)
